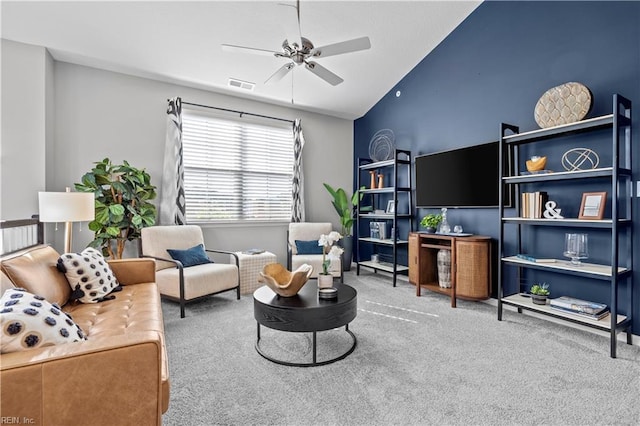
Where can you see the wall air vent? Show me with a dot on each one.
(239, 84)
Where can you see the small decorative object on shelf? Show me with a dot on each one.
(576, 247)
(380, 181)
(539, 293)
(585, 308)
(536, 163)
(550, 211)
(430, 222)
(444, 224)
(372, 184)
(457, 229)
(390, 207)
(444, 268)
(567, 103)
(575, 159)
(592, 206)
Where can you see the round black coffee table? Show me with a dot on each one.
(305, 312)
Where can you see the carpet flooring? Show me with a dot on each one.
(417, 362)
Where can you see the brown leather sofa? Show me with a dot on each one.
(118, 376)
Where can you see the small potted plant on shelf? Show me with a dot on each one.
(539, 293)
(430, 222)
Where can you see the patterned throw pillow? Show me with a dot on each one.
(89, 276)
(29, 321)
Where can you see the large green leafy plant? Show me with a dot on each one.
(123, 207)
(344, 206)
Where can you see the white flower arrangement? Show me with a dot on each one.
(329, 250)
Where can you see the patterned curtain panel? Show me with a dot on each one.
(297, 205)
(172, 201)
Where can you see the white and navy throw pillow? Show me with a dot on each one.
(28, 321)
(89, 276)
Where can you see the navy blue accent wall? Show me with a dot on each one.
(493, 68)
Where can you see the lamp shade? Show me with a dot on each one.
(66, 206)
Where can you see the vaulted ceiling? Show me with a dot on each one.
(180, 42)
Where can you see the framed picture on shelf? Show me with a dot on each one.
(592, 206)
(390, 207)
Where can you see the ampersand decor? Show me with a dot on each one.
(551, 212)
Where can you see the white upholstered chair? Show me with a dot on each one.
(307, 232)
(185, 284)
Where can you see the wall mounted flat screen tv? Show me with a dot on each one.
(464, 177)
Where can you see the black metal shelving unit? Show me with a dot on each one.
(619, 271)
(401, 196)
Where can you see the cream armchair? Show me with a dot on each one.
(185, 284)
(305, 233)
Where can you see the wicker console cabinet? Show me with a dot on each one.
(470, 265)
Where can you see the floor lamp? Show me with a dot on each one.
(66, 207)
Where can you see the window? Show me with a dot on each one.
(236, 170)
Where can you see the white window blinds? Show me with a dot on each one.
(236, 170)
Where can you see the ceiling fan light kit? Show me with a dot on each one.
(302, 51)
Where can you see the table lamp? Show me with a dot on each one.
(66, 207)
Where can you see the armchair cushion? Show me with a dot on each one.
(89, 275)
(199, 280)
(308, 247)
(190, 257)
(28, 321)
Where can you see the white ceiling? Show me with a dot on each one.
(179, 42)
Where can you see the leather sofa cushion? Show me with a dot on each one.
(35, 270)
(134, 309)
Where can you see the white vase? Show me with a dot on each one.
(325, 281)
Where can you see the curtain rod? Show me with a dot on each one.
(237, 112)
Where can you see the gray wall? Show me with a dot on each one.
(25, 71)
(102, 114)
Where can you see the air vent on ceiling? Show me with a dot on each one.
(234, 82)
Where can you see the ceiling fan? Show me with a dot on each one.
(300, 50)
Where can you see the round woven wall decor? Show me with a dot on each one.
(382, 145)
(564, 104)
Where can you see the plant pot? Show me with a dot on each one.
(325, 281)
(539, 299)
(347, 244)
(430, 230)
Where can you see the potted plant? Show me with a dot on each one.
(329, 252)
(430, 222)
(539, 293)
(345, 208)
(123, 207)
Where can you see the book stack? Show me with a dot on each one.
(533, 204)
(582, 308)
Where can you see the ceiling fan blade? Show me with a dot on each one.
(323, 73)
(244, 49)
(291, 22)
(280, 73)
(354, 45)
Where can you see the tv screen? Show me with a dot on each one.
(465, 177)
